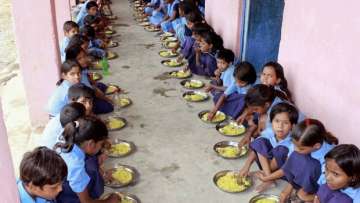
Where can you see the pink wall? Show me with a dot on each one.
(225, 17)
(62, 9)
(38, 51)
(320, 49)
(8, 187)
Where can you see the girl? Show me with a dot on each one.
(70, 29)
(204, 62)
(70, 75)
(271, 149)
(96, 46)
(231, 102)
(312, 142)
(185, 7)
(342, 175)
(42, 172)
(224, 73)
(172, 14)
(151, 6)
(102, 104)
(158, 14)
(273, 75)
(84, 137)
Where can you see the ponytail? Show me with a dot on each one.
(84, 129)
(312, 131)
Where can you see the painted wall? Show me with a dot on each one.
(38, 51)
(225, 17)
(320, 49)
(62, 9)
(8, 187)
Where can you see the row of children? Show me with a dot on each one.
(66, 168)
(279, 136)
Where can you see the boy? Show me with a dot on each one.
(70, 29)
(42, 172)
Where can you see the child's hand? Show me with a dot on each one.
(217, 72)
(113, 198)
(101, 158)
(211, 115)
(208, 88)
(107, 175)
(316, 199)
(244, 172)
(284, 197)
(244, 141)
(261, 175)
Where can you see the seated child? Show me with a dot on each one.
(149, 8)
(231, 102)
(224, 74)
(312, 142)
(70, 75)
(342, 173)
(185, 7)
(70, 29)
(80, 104)
(102, 104)
(78, 40)
(42, 172)
(158, 14)
(170, 16)
(84, 137)
(271, 149)
(204, 62)
(96, 46)
(89, 6)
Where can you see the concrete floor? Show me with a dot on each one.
(175, 156)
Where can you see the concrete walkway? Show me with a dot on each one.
(175, 156)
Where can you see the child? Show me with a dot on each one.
(224, 74)
(70, 29)
(204, 62)
(96, 46)
(89, 7)
(70, 75)
(273, 75)
(83, 137)
(80, 104)
(271, 149)
(312, 142)
(102, 104)
(342, 175)
(185, 7)
(158, 14)
(231, 102)
(78, 40)
(42, 172)
(149, 8)
(171, 15)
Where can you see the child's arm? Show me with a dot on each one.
(218, 105)
(244, 171)
(305, 196)
(99, 94)
(85, 198)
(247, 136)
(273, 176)
(285, 194)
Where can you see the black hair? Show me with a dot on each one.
(194, 17)
(89, 20)
(200, 28)
(80, 90)
(245, 71)
(310, 132)
(259, 95)
(284, 107)
(91, 4)
(42, 166)
(71, 112)
(77, 40)
(73, 51)
(214, 39)
(347, 157)
(187, 7)
(88, 32)
(226, 55)
(68, 25)
(279, 71)
(66, 67)
(84, 129)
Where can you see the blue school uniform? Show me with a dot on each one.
(85, 77)
(149, 10)
(59, 98)
(63, 46)
(51, 133)
(171, 8)
(187, 48)
(320, 156)
(300, 178)
(157, 16)
(77, 179)
(325, 194)
(96, 184)
(179, 27)
(26, 198)
(234, 103)
(268, 146)
(206, 67)
(82, 13)
(353, 193)
(227, 76)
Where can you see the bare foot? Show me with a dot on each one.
(265, 186)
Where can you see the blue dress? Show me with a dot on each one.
(26, 198)
(157, 16)
(300, 178)
(227, 76)
(63, 46)
(206, 67)
(167, 26)
(354, 193)
(149, 10)
(82, 13)
(269, 147)
(325, 194)
(77, 179)
(51, 133)
(95, 50)
(59, 98)
(187, 48)
(320, 156)
(96, 184)
(179, 27)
